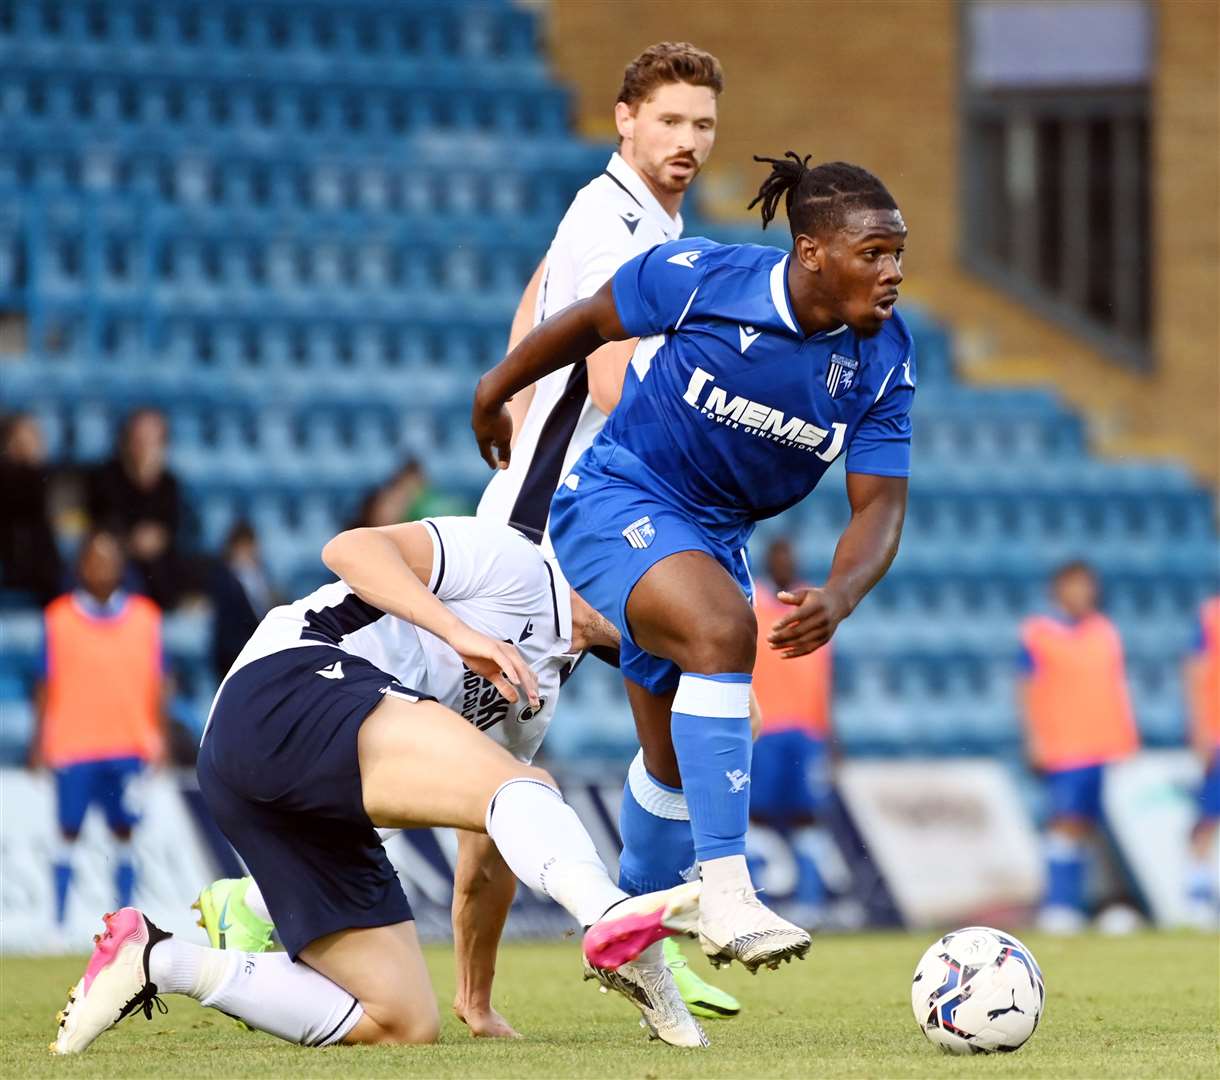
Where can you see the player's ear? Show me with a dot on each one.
(624, 119)
(809, 253)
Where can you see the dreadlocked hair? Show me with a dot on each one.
(818, 199)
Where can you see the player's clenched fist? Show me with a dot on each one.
(493, 427)
(811, 623)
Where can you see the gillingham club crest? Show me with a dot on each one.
(640, 533)
(841, 374)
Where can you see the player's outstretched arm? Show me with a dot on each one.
(483, 891)
(576, 331)
(864, 553)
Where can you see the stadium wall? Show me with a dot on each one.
(878, 84)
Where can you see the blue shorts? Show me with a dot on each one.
(280, 772)
(105, 783)
(789, 777)
(1209, 791)
(1075, 792)
(607, 534)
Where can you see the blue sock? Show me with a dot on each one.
(1064, 873)
(63, 881)
(125, 875)
(810, 888)
(1201, 882)
(710, 727)
(655, 827)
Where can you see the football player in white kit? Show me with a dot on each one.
(666, 120)
(360, 706)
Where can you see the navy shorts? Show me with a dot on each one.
(1075, 792)
(789, 777)
(608, 534)
(280, 772)
(104, 783)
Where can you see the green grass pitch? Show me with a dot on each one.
(1141, 1006)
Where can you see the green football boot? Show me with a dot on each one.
(701, 998)
(229, 923)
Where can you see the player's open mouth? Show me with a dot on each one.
(884, 307)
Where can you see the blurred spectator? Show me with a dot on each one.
(242, 556)
(405, 496)
(136, 496)
(241, 595)
(1078, 719)
(1203, 687)
(29, 559)
(790, 771)
(100, 706)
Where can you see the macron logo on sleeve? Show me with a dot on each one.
(685, 258)
(335, 671)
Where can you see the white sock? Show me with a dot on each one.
(178, 967)
(723, 878)
(256, 903)
(266, 990)
(546, 846)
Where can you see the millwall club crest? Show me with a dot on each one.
(841, 375)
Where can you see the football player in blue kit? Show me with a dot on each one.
(755, 371)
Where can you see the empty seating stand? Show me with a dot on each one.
(301, 227)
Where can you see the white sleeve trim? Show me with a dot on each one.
(885, 384)
(438, 556)
(689, 300)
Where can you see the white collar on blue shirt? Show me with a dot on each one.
(634, 185)
(779, 297)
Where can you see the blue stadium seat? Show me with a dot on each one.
(302, 228)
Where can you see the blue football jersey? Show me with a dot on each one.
(728, 408)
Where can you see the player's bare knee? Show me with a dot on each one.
(400, 1029)
(532, 772)
(723, 642)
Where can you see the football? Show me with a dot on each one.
(978, 991)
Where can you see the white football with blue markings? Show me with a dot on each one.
(978, 991)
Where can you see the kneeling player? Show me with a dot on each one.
(314, 740)
(511, 593)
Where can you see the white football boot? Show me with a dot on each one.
(115, 983)
(735, 925)
(649, 985)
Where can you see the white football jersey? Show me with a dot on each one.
(613, 218)
(496, 582)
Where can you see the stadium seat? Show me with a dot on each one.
(302, 228)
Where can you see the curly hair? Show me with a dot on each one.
(669, 62)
